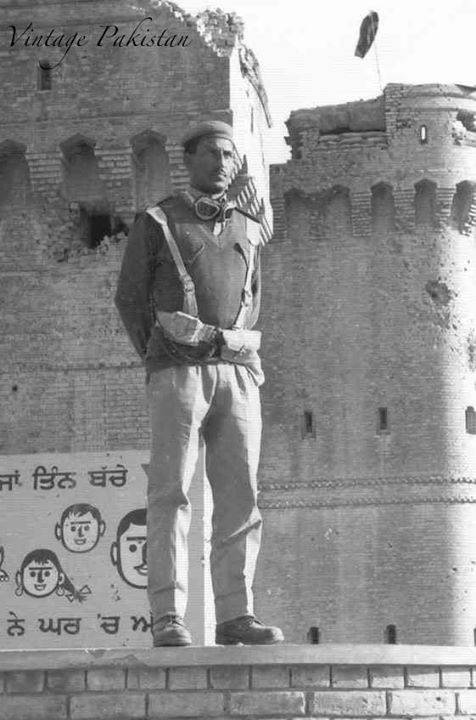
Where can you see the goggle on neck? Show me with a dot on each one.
(207, 208)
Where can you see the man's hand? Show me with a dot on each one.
(185, 329)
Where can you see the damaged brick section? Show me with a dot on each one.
(62, 236)
(439, 292)
(441, 296)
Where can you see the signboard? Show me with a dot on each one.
(73, 551)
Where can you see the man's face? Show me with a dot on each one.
(132, 555)
(80, 532)
(40, 579)
(211, 166)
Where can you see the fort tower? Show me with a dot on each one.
(369, 459)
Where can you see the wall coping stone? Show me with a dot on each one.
(325, 654)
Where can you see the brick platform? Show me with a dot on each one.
(286, 683)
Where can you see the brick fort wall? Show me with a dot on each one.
(369, 456)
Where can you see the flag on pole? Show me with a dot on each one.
(368, 31)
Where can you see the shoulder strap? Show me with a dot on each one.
(190, 300)
(246, 294)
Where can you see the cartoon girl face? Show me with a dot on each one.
(40, 579)
(40, 574)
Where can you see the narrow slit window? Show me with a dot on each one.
(313, 635)
(382, 420)
(470, 417)
(391, 635)
(44, 75)
(423, 134)
(308, 426)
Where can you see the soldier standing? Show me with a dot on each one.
(188, 295)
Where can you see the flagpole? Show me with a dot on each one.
(376, 54)
(378, 70)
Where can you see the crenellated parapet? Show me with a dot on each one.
(409, 156)
(383, 208)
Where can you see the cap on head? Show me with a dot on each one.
(208, 128)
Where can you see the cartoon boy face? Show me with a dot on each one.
(80, 533)
(40, 579)
(80, 528)
(129, 552)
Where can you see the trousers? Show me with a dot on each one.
(219, 403)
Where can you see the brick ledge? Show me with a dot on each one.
(407, 655)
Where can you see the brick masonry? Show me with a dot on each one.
(236, 688)
(368, 308)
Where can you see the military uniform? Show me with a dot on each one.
(193, 392)
(217, 264)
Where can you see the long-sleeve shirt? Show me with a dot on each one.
(149, 279)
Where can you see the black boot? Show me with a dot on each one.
(170, 630)
(247, 630)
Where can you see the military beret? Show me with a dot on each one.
(206, 128)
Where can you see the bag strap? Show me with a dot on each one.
(246, 294)
(189, 300)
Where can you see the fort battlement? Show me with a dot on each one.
(403, 160)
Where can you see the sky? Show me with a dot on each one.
(306, 49)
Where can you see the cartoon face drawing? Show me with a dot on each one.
(129, 551)
(80, 528)
(40, 573)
